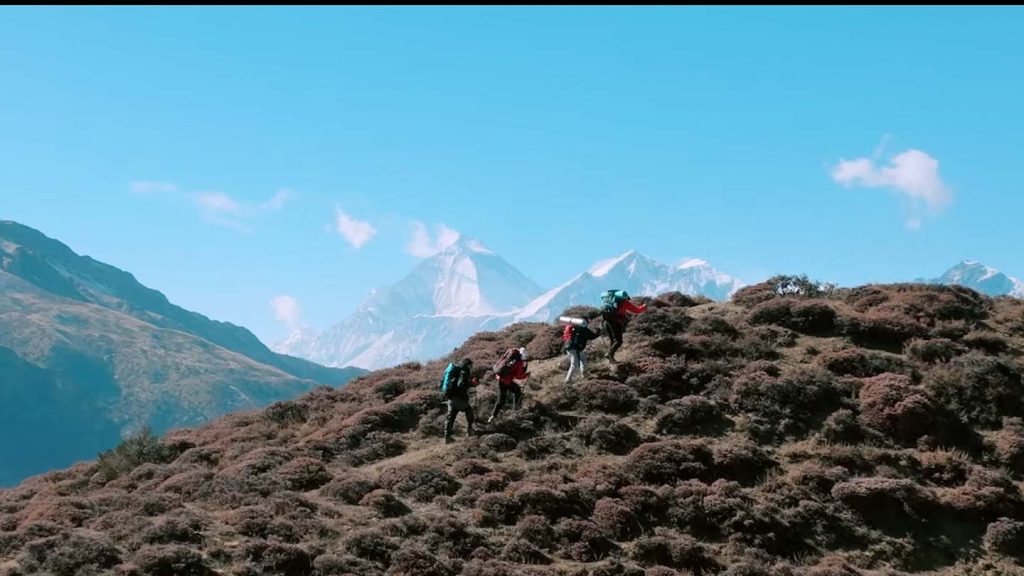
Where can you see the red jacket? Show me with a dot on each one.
(628, 306)
(517, 372)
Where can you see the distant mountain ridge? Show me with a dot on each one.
(467, 288)
(87, 353)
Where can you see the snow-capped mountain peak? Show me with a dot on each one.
(984, 279)
(467, 287)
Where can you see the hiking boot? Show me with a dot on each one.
(447, 440)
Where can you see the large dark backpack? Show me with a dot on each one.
(610, 301)
(504, 364)
(450, 380)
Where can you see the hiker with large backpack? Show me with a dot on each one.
(576, 336)
(615, 305)
(455, 385)
(510, 371)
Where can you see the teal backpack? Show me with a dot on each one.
(450, 378)
(610, 300)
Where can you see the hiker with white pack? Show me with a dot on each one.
(576, 336)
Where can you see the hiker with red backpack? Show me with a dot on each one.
(576, 335)
(455, 385)
(510, 371)
(615, 305)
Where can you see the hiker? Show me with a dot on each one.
(615, 305)
(510, 371)
(455, 385)
(576, 337)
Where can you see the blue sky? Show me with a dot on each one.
(209, 150)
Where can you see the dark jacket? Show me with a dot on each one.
(463, 382)
(581, 336)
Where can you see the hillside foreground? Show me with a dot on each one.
(794, 430)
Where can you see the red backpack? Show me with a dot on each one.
(567, 333)
(504, 364)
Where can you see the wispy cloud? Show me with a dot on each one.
(355, 232)
(287, 311)
(278, 200)
(911, 173)
(219, 207)
(423, 246)
(151, 187)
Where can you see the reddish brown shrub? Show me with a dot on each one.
(421, 482)
(276, 558)
(842, 427)
(980, 390)
(607, 434)
(691, 415)
(886, 330)
(659, 322)
(304, 474)
(680, 300)
(524, 552)
(1009, 445)
(1006, 536)
(583, 541)
(616, 519)
(170, 560)
(185, 530)
(740, 459)
(669, 462)
(385, 504)
(344, 565)
(891, 404)
(607, 396)
(349, 489)
(373, 446)
(547, 344)
(286, 412)
(371, 544)
(497, 508)
(680, 552)
(934, 350)
(69, 553)
(789, 406)
(878, 497)
(415, 560)
(536, 529)
(861, 363)
(552, 503)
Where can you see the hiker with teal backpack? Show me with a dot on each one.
(614, 306)
(455, 385)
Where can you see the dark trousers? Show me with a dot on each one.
(458, 404)
(506, 391)
(614, 329)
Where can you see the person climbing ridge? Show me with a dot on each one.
(576, 337)
(455, 385)
(510, 371)
(615, 304)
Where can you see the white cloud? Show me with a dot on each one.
(423, 246)
(151, 187)
(287, 310)
(356, 232)
(218, 202)
(278, 200)
(218, 207)
(911, 173)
